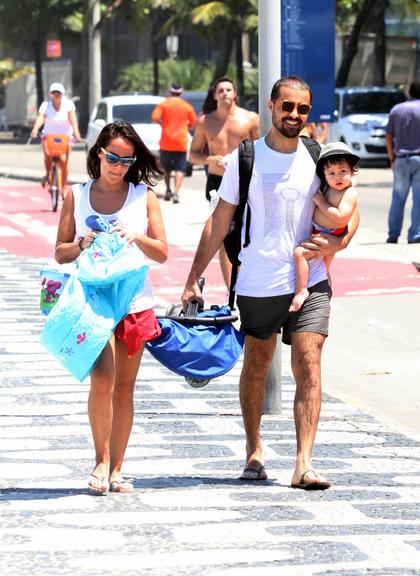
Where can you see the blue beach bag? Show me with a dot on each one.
(199, 348)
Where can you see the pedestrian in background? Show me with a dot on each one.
(218, 133)
(280, 198)
(316, 130)
(176, 117)
(403, 146)
(121, 169)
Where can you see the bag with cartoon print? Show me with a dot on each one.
(81, 323)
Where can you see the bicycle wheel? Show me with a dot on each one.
(55, 187)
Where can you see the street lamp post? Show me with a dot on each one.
(95, 79)
(269, 62)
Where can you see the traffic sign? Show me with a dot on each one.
(54, 48)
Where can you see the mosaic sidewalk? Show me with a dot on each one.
(189, 514)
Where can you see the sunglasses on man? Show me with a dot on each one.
(289, 106)
(111, 158)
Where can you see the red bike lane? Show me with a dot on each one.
(28, 228)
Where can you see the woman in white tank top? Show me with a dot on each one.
(122, 169)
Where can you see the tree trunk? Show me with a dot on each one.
(37, 49)
(155, 49)
(84, 81)
(379, 60)
(225, 52)
(351, 47)
(239, 61)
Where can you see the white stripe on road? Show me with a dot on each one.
(374, 291)
(35, 227)
(9, 231)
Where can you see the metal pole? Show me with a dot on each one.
(269, 68)
(269, 57)
(272, 400)
(95, 79)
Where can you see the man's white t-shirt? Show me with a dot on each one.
(57, 121)
(280, 197)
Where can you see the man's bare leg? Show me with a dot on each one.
(179, 178)
(258, 355)
(306, 367)
(167, 180)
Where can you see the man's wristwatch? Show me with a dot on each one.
(80, 244)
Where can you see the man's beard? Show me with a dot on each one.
(287, 131)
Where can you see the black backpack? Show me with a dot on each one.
(232, 241)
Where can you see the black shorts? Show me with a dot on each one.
(213, 183)
(173, 161)
(262, 317)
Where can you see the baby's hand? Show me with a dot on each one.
(318, 198)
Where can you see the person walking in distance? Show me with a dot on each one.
(403, 146)
(280, 198)
(216, 135)
(176, 117)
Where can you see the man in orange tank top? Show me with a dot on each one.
(176, 116)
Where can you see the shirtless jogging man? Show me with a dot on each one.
(219, 133)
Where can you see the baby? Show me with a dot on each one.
(335, 203)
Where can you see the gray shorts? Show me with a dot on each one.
(262, 317)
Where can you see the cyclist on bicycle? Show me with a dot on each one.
(58, 115)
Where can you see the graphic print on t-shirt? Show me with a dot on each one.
(279, 204)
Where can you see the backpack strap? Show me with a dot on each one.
(246, 155)
(312, 146)
(246, 165)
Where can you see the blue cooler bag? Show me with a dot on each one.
(91, 305)
(199, 348)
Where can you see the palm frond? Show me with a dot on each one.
(207, 13)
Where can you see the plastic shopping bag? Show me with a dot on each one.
(108, 259)
(81, 323)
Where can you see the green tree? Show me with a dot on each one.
(224, 20)
(29, 22)
(357, 16)
(81, 22)
(138, 77)
(151, 15)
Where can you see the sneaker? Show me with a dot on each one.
(392, 240)
(175, 199)
(415, 241)
(168, 195)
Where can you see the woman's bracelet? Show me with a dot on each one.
(80, 244)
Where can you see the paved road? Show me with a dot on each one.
(190, 514)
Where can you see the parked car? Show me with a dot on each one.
(362, 115)
(134, 108)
